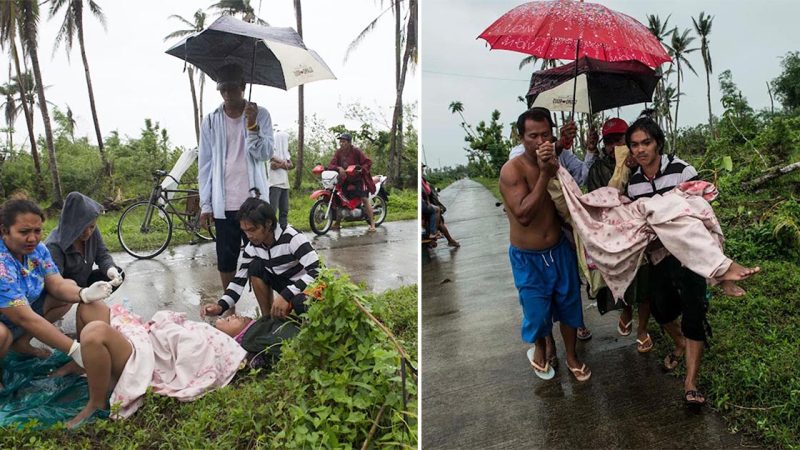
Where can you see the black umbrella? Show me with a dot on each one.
(271, 56)
(601, 85)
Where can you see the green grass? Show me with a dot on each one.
(333, 379)
(402, 206)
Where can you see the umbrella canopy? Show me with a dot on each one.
(567, 29)
(271, 56)
(601, 85)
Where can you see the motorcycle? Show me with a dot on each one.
(331, 204)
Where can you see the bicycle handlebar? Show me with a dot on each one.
(160, 174)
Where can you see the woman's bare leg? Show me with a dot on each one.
(87, 313)
(105, 352)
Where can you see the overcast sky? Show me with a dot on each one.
(747, 37)
(133, 78)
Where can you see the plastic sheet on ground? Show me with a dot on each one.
(29, 394)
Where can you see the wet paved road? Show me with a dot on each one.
(182, 277)
(478, 389)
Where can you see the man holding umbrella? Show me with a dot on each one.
(235, 141)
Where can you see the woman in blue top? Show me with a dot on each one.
(26, 272)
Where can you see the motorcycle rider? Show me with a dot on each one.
(359, 185)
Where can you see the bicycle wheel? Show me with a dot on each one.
(144, 230)
(206, 234)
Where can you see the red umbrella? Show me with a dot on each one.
(567, 29)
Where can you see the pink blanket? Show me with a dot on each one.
(174, 356)
(616, 232)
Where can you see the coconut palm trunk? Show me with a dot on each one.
(37, 165)
(301, 112)
(79, 21)
(30, 37)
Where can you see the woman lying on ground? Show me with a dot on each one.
(124, 356)
(27, 275)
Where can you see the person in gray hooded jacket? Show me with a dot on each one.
(76, 244)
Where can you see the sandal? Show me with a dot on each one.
(625, 329)
(553, 361)
(694, 398)
(671, 361)
(584, 334)
(547, 372)
(581, 374)
(644, 345)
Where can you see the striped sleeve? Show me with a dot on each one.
(235, 287)
(308, 259)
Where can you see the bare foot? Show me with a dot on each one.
(371, 229)
(454, 243)
(67, 369)
(737, 272)
(83, 415)
(24, 347)
(730, 288)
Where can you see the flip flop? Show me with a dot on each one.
(671, 361)
(644, 345)
(622, 327)
(581, 374)
(694, 398)
(547, 372)
(586, 335)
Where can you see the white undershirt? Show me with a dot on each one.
(236, 179)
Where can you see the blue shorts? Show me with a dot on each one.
(37, 306)
(549, 288)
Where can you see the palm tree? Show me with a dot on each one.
(661, 31)
(9, 107)
(680, 48)
(243, 7)
(9, 25)
(405, 44)
(28, 23)
(301, 119)
(193, 27)
(456, 107)
(703, 28)
(66, 122)
(72, 25)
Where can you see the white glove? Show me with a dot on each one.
(75, 353)
(114, 277)
(97, 291)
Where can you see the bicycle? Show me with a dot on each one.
(145, 228)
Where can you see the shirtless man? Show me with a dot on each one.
(542, 261)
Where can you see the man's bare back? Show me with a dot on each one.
(534, 224)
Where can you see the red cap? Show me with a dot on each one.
(614, 126)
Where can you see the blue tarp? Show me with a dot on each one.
(30, 394)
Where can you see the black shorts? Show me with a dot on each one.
(677, 291)
(230, 241)
(276, 282)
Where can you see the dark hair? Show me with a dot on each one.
(258, 212)
(648, 112)
(537, 114)
(650, 127)
(15, 207)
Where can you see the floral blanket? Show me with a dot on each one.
(175, 356)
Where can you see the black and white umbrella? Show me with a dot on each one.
(601, 85)
(271, 56)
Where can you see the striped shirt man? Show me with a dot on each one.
(291, 259)
(673, 171)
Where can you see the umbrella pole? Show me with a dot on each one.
(252, 70)
(575, 80)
